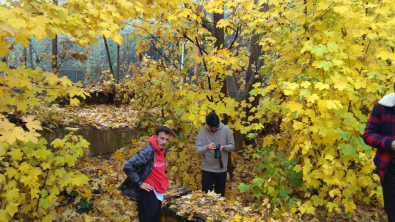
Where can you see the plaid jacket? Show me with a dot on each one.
(380, 133)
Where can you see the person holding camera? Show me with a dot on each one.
(213, 144)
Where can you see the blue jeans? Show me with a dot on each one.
(211, 178)
(388, 185)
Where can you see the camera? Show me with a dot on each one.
(217, 154)
(217, 151)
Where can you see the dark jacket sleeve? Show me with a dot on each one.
(137, 163)
(373, 131)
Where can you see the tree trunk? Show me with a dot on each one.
(218, 32)
(55, 50)
(55, 54)
(108, 56)
(233, 88)
(118, 64)
(25, 56)
(31, 54)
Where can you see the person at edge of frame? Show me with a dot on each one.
(214, 170)
(380, 134)
(146, 181)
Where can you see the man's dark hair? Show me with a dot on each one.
(163, 129)
(212, 119)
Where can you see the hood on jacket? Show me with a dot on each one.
(219, 127)
(388, 100)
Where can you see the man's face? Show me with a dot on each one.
(162, 139)
(213, 128)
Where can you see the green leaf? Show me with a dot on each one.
(44, 193)
(257, 156)
(319, 50)
(297, 182)
(366, 200)
(257, 182)
(343, 134)
(59, 160)
(277, 202)
(44, 202)
(271, 172)
(244, 187)
(361, 128)
(257, 192)
(317, 201)
(347, 149)
(325, 65)
(272, 191)
(261, 166)
(60, 172)
(284, 193)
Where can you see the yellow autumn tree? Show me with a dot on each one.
(312, 68)
(322, 66)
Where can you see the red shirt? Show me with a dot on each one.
(157, 177)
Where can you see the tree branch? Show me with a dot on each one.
(196, 43)
(234, 40)
(204, 61)
(161, 55)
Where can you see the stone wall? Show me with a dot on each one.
(102, 141)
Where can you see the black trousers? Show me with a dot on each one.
(210, 178)
(149, 207)
(388, 185)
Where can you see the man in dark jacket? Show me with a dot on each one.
(146, 181)
(380, 134)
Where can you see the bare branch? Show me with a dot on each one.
(234, 40)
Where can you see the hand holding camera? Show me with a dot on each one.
(217, 152)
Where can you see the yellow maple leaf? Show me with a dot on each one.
(4, 215)
(340, 85)
(45, 165)
(12, 208)
(2, 178)
(312, 98)
(34, 193)
(11, 172)
(52, 79)
(9, 29)
(66, 82)
(297, 168)
(321, 86)
(50, 217)
(31, 123)
(305, 84)
(58, 143)
(333, 104)
(236, 218)
(74, 102)
(15, 154)
(349, 206)
(12, 194)
(24, 167)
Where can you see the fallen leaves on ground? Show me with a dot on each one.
(93, 116)
(111, 205)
